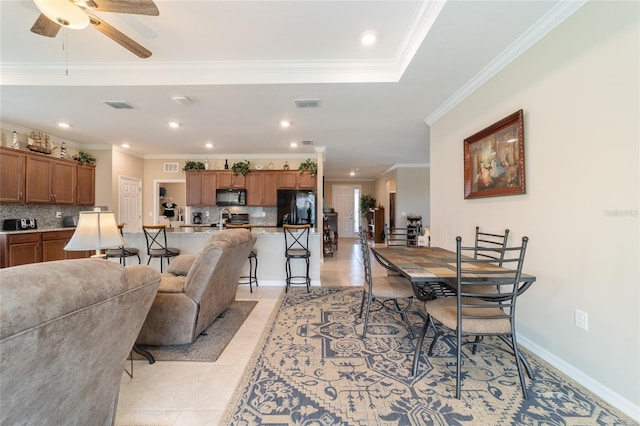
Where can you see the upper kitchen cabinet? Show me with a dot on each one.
(50, 181)
(291, 179)
(262, 188)
(86, 185)
(228, 179)
(201, 188)
(12, 165)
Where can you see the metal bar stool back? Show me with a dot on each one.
(296, 240)
(252, 278)
(156, 237)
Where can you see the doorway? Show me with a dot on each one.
(170, 191)
(344, 199)
(130, 203)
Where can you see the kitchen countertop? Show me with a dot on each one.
(188, 229)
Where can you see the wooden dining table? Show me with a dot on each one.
(431, 270)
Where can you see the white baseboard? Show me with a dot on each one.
(613, 398)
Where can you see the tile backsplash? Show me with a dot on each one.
(45, 215)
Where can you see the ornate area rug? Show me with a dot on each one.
(314, 368)
(209, 345)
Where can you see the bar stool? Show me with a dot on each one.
(253, 260)
(296, 241)
(156, 237)
(122, 252)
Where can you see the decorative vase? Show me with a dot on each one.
(226, 164)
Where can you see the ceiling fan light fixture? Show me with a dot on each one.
(63, 12)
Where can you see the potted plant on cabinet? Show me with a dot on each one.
(85, 158)
(310, 166)
(193, 165)
(241, 167)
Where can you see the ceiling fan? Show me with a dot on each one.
(75, 14)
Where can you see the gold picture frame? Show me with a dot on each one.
(494, 159)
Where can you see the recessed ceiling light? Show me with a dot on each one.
(293, 144)
(285, 124)
(126, 145)
(208, 145)
(352, 174)
(64, 125)
(181, 100)
(368, 38)
(174, 124)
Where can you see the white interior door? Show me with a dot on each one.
(343, 201)
(130, 200)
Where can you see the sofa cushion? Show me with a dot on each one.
(180, 265)
(170, 283)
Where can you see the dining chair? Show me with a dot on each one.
(384, 290)
(492, 244)
(296, 241)
(122, 252)
(396, 236)
(485, 305)
(157, 247)
(252, 278)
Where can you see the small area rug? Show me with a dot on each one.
(208, 346)
(314, 368)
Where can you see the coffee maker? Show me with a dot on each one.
(197, 218)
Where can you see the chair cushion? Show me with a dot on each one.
(170, 283)
(297, 253)
(445, 311)
(161, 252)
(181, 264)
(392, 287)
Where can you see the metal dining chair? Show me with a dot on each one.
(396, 236)
(492, 245)
(296, 241)
(156, 237)
(485, 305)
(252, 278)
(389, 289)
(122, 252)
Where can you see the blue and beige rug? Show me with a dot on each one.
(314, 368)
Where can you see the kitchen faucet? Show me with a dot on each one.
(221, 223)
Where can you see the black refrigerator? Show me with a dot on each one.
(296, 207)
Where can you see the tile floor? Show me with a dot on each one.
(196, 393)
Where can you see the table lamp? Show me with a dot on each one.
(96, 230)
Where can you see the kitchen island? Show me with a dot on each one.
(269, 247)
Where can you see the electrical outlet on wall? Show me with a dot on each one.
(582, 320)
(58, 214)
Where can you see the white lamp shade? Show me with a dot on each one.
(63, 12)
(95, 231)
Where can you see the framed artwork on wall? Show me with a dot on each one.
(494, 159)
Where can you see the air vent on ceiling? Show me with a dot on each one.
(182, 100)
(307, 103)
(171, 167)
(119, 104)
(308, 143)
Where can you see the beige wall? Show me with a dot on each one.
(579, 88)
(412, 194)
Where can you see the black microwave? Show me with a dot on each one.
(231, 197)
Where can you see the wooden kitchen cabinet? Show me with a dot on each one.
(50, 181)
(20, 249)
(227, 179)
(34, 247)
(53, 243)
(306, 181)
(86, 185)
(12, 175)
(293, 179)
(201, 188)
(288, 179)
(262, 188)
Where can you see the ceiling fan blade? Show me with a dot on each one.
(137, 7)
(119, 37)
(45, 26)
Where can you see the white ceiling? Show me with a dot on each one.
(243, 63)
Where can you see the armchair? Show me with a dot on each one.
(195, 290)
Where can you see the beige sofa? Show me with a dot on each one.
(66, 329)
(196, 289)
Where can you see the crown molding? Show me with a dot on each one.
(542, 27)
